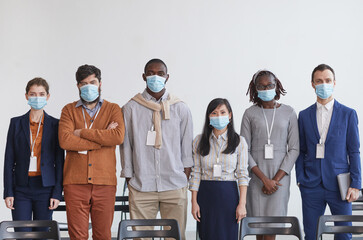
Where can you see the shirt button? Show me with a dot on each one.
(157, 176)
(90, 164)
(89, 178)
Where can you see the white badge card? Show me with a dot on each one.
(217, 170)
(33, 164)
(151, 136)
(82, 152)
(320, 149)
(269, 151)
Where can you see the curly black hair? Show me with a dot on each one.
(252, 91)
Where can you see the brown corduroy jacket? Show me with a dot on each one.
(98, 166)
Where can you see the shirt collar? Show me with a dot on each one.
(148, 97)
(31, 122)
(327, 106)
(80, 103)
(222, 136)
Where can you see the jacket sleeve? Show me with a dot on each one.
(299, 165)
(9, 162)
(67, 140)
(353, 145)
(59, 163)
(108, 137)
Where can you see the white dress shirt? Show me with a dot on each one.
(323, 117)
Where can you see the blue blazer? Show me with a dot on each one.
(17, 156)
(341, 149)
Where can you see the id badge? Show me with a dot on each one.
(82, 152)
(33, 164)
(320, 149)
(217, 170)
(150, 140)
(269, 151)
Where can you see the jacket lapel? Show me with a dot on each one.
(334, 115)
(25, 127)
(314, 123)
(46, 132)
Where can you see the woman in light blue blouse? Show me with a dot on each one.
(220, 158)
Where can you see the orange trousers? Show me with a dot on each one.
(83, 200)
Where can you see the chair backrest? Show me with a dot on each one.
(323, 228)
(267, 226)
(358, 204)
(125, 233)
(52, 233)
(121, 204)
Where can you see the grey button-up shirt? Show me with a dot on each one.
(152, 169)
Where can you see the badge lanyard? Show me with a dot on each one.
(269, 148)
(217, 168)
(31, 136)
(86, 126)
(84, 118)
(33, 166)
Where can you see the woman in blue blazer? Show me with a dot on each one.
(33, 165)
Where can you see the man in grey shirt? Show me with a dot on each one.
(156, 155)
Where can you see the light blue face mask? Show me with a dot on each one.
(324, 90)
(219, 122)
(266, 95)
(89, 92)
(37, 103)
(155, 83)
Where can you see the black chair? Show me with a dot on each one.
(121, 205)
(327, 229)
(358, 205)
(125, 233)
(52, 233)
(251, 226)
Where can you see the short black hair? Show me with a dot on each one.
(233, 137)
(87, 70)
(253, 91)
(155, 60)
(321, 68)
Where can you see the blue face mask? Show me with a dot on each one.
(266, 95)
(37, 103)
(324, 90)
(219, 122)
(89, 92)
(155, 83)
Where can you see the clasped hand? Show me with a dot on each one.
(270, 186)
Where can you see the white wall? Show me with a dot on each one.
(212, 48)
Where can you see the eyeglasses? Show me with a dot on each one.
(267, 87)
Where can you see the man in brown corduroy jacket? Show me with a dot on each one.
(89, 130)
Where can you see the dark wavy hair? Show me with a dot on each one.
(87, 70)
(253, 91)
(233, 138)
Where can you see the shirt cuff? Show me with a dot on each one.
(188, 162)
